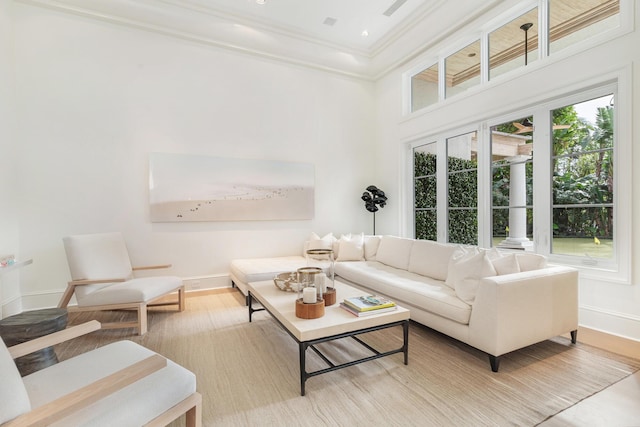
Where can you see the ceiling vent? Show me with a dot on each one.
(395, 6)
(330, 21)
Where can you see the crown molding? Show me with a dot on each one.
(194, 23)
(221, 34)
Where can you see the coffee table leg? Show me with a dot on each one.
(250, 304)
(405, 346)
(303, 371)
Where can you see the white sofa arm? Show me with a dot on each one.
(516, 310)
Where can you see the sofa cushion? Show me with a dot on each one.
(408, 289)
(371, 244)
(135, 290)
(136, 404)
(467, 271)
(430, 258)
(14, 400)
(259, 269)
(394, 251)
(351, 247)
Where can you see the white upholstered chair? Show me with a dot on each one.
(120, 384)
(102, 279)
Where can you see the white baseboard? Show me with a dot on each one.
(212, 281)
(615, 323)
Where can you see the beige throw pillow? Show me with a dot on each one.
(469, 270)
(531, 261)
(507, 264)
(371, 244)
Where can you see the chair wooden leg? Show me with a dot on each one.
(142, 319)
(181, 298)
(194, 415)
(66, 296)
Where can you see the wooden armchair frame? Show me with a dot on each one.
(83, 397)
(140, 307)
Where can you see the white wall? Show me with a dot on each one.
(94, 99)
(9, 281)
(606, 306)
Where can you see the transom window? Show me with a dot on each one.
(510, 45)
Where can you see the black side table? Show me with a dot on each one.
(26, 326)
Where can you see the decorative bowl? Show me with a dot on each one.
(287, 282)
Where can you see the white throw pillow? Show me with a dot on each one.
(351, 247)
(371, 244)
(531, 261)
(394, 251)
(316, 242)
(470, 270)
(430, 259)
(507, 264)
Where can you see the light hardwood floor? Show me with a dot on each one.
(619, 404)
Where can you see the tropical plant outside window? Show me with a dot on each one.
(425, 192)
(583, 204)
(462, 189)
(581, 176)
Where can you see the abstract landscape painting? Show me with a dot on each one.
(185, 187)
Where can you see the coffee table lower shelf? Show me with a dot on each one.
(304, 345)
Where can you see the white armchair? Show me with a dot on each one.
(121, 384)
(102, 279)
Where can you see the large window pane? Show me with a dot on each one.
(583, 178)
(514, 45)
(424, 88)
(425, 192)
(462, 69)
(512, 184)
(571, 21)
(462, 189)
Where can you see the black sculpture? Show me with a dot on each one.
(373, 198)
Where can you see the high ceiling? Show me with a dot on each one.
(339, 22)
(326, 34)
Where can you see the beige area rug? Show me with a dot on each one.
(248, 373)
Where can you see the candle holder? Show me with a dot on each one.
(328, 289)
(310, 304)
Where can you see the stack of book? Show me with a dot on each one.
(367, 305)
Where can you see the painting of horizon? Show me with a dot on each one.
(186, 187)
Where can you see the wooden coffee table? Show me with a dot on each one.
(335, 324)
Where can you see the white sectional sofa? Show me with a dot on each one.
(495, 301)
